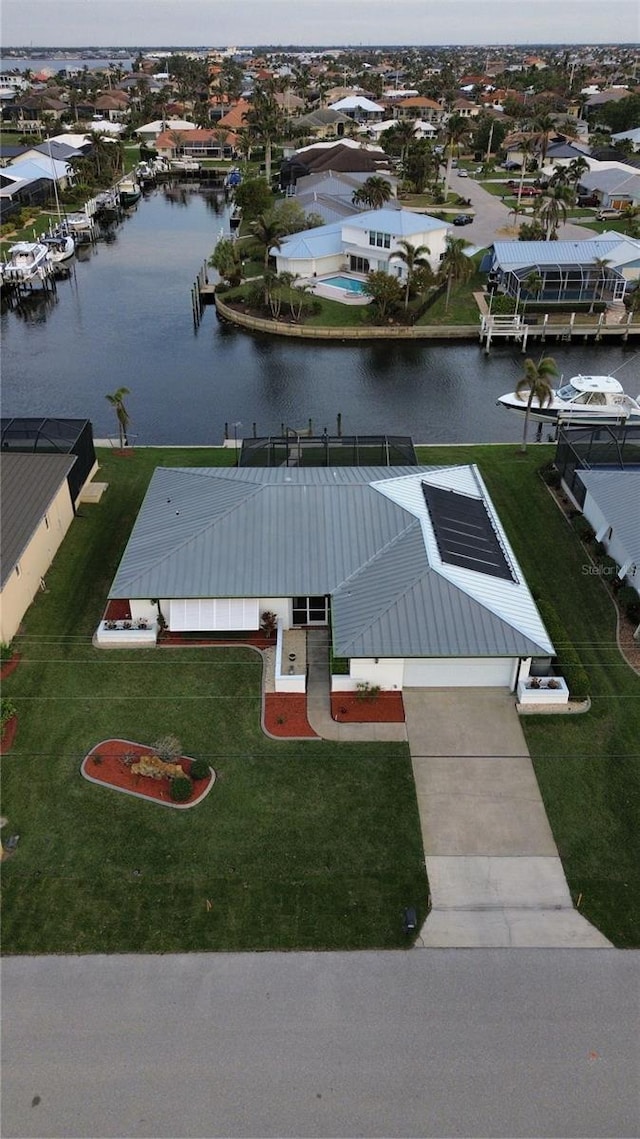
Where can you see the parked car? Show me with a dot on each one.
(463, 219)
(608, 215)
(463, 173)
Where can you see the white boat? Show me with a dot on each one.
(144, 174)
(79, 223)
(583, 399)
(61, 246)
(129, 191)
(27, 261)
(185, 164)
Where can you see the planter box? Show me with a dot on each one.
(121, 637)
(543, 694)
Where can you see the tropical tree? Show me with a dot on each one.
(116, 399)
(269, 233)
(601, 266)
(419, 165)
(226, 260)
(455, 266)
(457, 128)
(374, 193)
(266, 122)
(536, 382)
(402, 134)
(551, 209)
(413, 257)
(385, 293)
(543, 126)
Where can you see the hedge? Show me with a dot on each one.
(568, 661)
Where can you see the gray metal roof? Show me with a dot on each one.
(523, 254)
(28, 485)
(284, 532)
(617, 493)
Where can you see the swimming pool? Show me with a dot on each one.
(348, 284)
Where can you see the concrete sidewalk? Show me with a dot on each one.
(495, 875)
(319, 701)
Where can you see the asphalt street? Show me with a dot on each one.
(425, 1043)
(492, 220)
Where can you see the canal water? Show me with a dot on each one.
(124, 317)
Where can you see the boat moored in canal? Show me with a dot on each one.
(129, 192)
(28, 261)
(582, 399)
(61, 246)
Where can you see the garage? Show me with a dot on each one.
(460, 672)
(214, 614)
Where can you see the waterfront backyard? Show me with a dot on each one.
(299, 844)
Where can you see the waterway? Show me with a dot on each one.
(124, 317)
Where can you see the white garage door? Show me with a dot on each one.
(204, 615)
(462, 672)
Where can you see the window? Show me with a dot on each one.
(358, 264)
(380, 240)
(310, 611)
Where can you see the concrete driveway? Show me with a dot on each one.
(495, 875)
(492, 221)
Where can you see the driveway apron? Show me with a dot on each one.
(495, 875)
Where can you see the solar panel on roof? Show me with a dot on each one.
(464, 532)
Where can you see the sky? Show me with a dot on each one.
(218, 23)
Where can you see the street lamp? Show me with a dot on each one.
(236, 425)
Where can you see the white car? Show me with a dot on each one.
(462, 174)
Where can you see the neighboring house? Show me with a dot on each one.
(612, 508)
(419, 107)
(614, 184)
(410, 567)
(420, 129)
(42, 167)
(150, 131)
(235, 118)
(36, 511)
(359, 108)
(633, 136)
(466, 109)
(362, 244)
(197, 143)
(330, 194)
(345, 156)
(323, 123)
(568, 270)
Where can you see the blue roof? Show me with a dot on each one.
(520, 254)
(399, 223)
(318, 242)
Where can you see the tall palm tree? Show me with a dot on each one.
(265, 120)
(551, 209)
(374, 193)
(116, 399)
(543, 126)
(404, 133)
(455, 266)
(456, 129)
(268, 231)
(536, 381)
(413, 257)
(601, 265)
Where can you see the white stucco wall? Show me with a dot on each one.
(311, 265)
(22, 586)
(356, 242)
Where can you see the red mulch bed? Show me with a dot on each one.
(113, 772)
(348, 707)
(286, 716)
(117, 610)
(188, 640)
(10, 666)
(8, 735)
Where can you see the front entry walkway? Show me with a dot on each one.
(494, 872)
(319, 701)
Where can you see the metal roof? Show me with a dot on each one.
(359, 534)
(397, 222)
(617, 494)
(28, 486)
(522, 254)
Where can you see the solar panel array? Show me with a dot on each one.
(464, 532)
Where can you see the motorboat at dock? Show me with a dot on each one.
(582, 399)
(28, 261)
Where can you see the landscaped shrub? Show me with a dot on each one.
(568, 661)
(629, 602)
(181, 789)
(200, 769)
(269, 623)
(582, 528)
(168, 748)
(7, 711)
(339, 666)
(551, 475)
(6, 651)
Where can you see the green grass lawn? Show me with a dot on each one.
(588, 766)
(299, 845)
(462, 308)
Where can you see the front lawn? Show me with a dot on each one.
(306, 846)
(588, 766)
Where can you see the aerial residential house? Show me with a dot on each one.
(410, 567)
(583, 271)
(362, 244)
(150, 131)
(466, 109)
(196, 143)
(235, 118)
(329, 194)
(345, 156)
(359, 108)
(323, 123)
(614, 184)
(419, 107)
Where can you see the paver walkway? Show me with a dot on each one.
(495, 875)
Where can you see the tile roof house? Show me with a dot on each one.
(362, 243)
(410, 566)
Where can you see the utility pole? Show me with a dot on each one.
(488, 155)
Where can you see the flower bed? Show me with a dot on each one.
(286, 716)
(9, 666)
(352, 708)
(8, 735)
(105, 764)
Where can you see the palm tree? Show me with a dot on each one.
(543, 126)
(601, 266)
(414, 257)
(374, 193)
(116, 399)
(457, 128)
(404, 133)
(551, 209)
(536, 381)
(268, 230)
(455, 265)
(265, 121)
